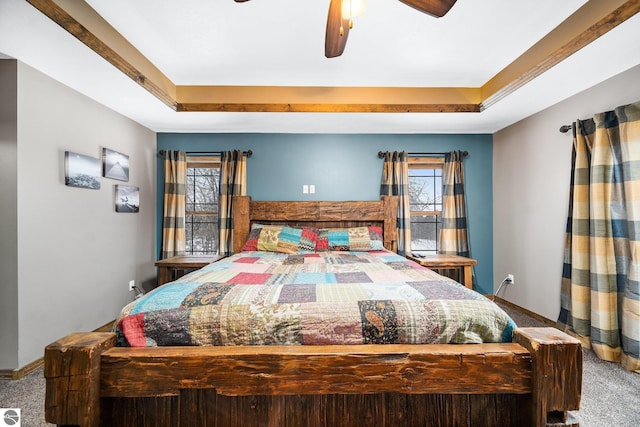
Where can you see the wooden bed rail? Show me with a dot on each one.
(286, 370)
(84, 371)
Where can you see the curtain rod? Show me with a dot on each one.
(246, 153)
(565, 128)
(464, 154)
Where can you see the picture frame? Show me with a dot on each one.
(81, 171)
(127, 198)
(115, 165)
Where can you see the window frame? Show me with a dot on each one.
(432, 162)
(201, 162)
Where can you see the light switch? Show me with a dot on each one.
(312, 188)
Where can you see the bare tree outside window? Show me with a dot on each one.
(201, 221)
(425, 200)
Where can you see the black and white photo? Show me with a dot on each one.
(81, 171)
(115, 165)
(127, 198)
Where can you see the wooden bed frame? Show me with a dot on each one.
(533, 381)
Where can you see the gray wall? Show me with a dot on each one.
(531, 173)
(75, 254)
(8, 214)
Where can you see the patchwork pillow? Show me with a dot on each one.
(350, 239)
(288, 240)
(251, 245)
(359, 239)
(268, 239)
(308, 240)
(322, 242)
(283, 239)
(339, 239)
(375, 238)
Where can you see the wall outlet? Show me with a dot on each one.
(132, 284)
(305, 189)
(510, 279)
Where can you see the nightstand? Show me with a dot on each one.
(175, 267)
(441, 262)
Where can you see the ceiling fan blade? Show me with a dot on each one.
(437, 8)
(334, 42)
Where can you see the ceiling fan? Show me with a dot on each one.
(338, 24)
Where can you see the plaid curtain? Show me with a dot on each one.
(395, 182)
(175, 177)
(233, 182)
(453, 233)
(600, 293)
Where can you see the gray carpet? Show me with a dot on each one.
(28, 395)
(610, 395)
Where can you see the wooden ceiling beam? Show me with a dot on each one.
(327, 99)
(594, 19)
(328, 108)
(84, 23)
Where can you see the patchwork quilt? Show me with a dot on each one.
(319, 298)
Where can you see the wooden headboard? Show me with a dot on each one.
(381, 212)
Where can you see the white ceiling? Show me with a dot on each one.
(281, 43)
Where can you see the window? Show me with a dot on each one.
(425, 201)
(201, 219)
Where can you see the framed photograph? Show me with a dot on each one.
(81, 171)
(115, 165)
(127, 198)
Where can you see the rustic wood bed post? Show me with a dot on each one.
(390, 222)
(241, 221)
(72, 372)
(557, 374)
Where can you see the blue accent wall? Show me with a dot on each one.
(347, 167)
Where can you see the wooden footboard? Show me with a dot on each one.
(533, 381)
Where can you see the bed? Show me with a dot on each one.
(272, 359)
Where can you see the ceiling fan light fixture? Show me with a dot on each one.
(352, 8)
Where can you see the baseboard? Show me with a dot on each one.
(17, 374)
(522, 310)
(107, 327)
